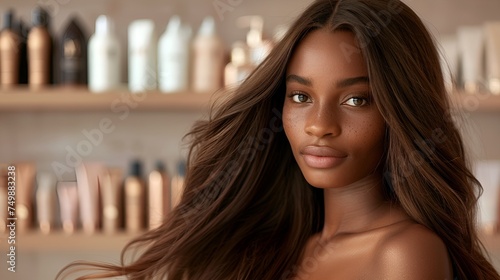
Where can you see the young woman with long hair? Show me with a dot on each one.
(336, 159)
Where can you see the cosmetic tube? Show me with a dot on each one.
(88, 195)
(4, 205)
(135, 199)
(46, 201)
(177, 186)
(159, 195)
(25, 177)
(9, 52)
(492, 38)
(449, 61)
(471, 45)
(110, 187)
(67, 193)
(488, 174)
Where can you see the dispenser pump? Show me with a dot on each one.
(207, 27)
(256, 25)
(104, 25)
(8, 20)
(40, 17)
(174, 25)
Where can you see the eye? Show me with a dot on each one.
(356, 101)
(299, 98)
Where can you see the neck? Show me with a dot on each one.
(356, 208)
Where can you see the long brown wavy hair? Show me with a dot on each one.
(247, 211)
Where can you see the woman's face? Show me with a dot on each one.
(334, 127)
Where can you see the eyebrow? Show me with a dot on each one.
(340, 84)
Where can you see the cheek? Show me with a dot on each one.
(290, 123)
(369, 136)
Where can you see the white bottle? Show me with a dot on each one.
(142, 56)
(104, 57)
(208, 58)
(259, 48)
(173, 57)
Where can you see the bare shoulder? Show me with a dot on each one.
(412, 252)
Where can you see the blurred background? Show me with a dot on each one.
(93, 117)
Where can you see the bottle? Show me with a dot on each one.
(23, 53)
(159, 195)
(110, 190)
(240, 67)
(104, 53)
(135, 195)
(208, 58)
(73, 55)
(259, 48)
(9, 51)
(40, 50)
(67, 194)
(46, 201)
(173, 57)
(142, 56)
(177, 185)
(471, 48)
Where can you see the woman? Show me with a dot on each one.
(336, 159)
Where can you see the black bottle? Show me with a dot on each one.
(73, 55)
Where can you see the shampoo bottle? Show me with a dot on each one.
(173, 57)
(159, 195)
(208, 58)
(142, 56)
(104, 52)
(135, 199)
(110, 188)
(40, 50)
(471, 46)
(46, 201)
(23, 53)
(4, 202)
(25, 186)
(177, 186)
(9, 52)
(240, 67)
(492, 34)
(67, 193)
(73, 55)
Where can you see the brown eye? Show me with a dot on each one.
(356, 101)
(300, 98)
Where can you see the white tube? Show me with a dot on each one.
(449, 61)
(471, 42)
(492, 38)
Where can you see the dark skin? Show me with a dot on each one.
(337, 137)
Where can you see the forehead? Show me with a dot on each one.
(329, 52)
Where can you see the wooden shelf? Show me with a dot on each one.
(79, 99)
(480, 102)
(76, 242)
(81, 242)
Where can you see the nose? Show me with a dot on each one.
(323, 121)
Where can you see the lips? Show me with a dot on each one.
(322, 157)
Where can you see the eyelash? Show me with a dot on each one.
(295, 94)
